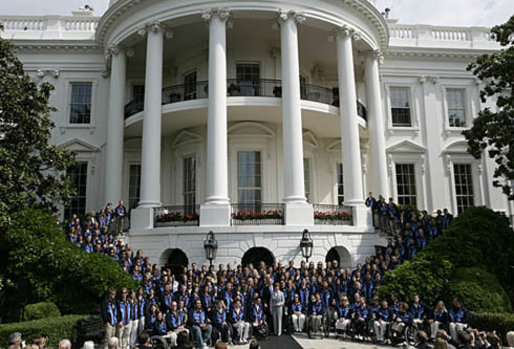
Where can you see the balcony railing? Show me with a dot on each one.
(257, 214)
(332, 214)
(260, 88)
(173, 216)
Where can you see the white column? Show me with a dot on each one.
(151, 149)
(353, 192)
(216, 207)
(297, 211)
(115, 127)
(376, 124)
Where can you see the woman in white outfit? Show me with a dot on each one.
(277, 307)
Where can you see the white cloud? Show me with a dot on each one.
(449, 12)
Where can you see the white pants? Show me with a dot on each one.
(342, 325)
(242, 330)
(434, 327)
(298, 321)
(134, 326)
(141, 327)
(123, 334)
(454, 327)
(380, 327)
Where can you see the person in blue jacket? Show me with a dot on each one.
(200, 325)
(344, 313)
(220, 320)
(459, 318)
(315, 312)
(109, 315)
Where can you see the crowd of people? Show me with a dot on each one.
(232, 303)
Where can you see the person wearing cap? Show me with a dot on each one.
(15, 340)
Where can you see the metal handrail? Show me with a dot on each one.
(259, 88)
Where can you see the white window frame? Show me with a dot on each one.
(466, 88)
(67, 110)
(132, 163)
(476, 172)
(414, 119)
(415, 181)
(416, 159)
(182, 158)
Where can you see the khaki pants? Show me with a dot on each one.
(123, 334)
(110, 331)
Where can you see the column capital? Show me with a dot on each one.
(115, 49)
(154, 27)
(221, 13)
(347, 31)
(283, 16)
(377, 56)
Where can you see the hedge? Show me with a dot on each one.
(40, 310)
(499, 322)
(56, 329)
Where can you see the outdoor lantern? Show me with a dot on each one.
(210, 246)
(306, 245)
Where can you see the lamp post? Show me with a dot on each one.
(210, 245)
(306, 245)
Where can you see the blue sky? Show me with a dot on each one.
(436, 12)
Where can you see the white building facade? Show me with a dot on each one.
(196, 112)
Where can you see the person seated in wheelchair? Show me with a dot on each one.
(382, 319)
(239, 323)
(315, 313)
(459, 318)
(419, 312)
(176, 322)
(220, 322)
(160, 328)
(400, 321)
(200, 325)
(297, 311)
(260, 327)
(361, 315)
(329, 305)
(372, 318)
(344, 314)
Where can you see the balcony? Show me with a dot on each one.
(332, 215)
(176, 216)
(262, 88)
(257, 214)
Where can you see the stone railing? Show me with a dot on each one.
(439, 36)
(49, 27)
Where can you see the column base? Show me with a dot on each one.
(215, 215)
(298, 214)
(362, 215)
(142, 218)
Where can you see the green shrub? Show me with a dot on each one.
(424, 276)
(499, 322)
(56, 329)
(56, 269)
(40, 310)
(479, 290)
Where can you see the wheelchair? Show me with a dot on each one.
(401, 332)
(328, 322)
(158, 342)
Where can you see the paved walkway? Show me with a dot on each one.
(333, 343)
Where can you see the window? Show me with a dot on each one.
(80, 104)
(406, 184)
(456, 107)
(189, 178)
(340, 185)
(138, 93)
(134, 185)
(307, 179)
(190, 86)
(78, 178)
(463, 186)
(248, 72)
(249, 178)
(400, 106)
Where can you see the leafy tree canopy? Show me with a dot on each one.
(493, 130)
(32, 171)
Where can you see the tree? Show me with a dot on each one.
(32, 171)
(493, 130)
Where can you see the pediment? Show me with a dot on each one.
(406, 147)
(185, 137)
(456, 147)
(251, 129)
(78, 145)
